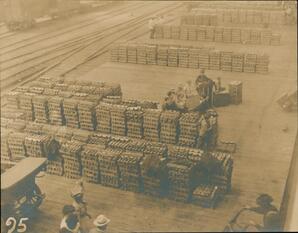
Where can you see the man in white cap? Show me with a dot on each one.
(100, 223)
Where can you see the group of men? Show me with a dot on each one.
(153, 22)
(76, 217)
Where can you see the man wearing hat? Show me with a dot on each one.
(204, 87)
(100, 223)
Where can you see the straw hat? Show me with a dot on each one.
(101, 221)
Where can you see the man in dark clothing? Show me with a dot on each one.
(205, 87)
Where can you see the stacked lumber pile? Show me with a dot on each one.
(169, 126)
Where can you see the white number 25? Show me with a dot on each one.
(11, 221)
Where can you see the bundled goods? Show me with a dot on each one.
(192, 33)
(226, 61)
(70, 108)
(151, 51)
(204, 59)
(34, 128)
(122, 53)
(130, 172)
(87, 117)
(37, 145)
(151, 124)
(36, 90)
(180, 177)
(218, 34)
(158, 33)
(81, 135)
(141, 54)
(118, 120)
(175, 32)
(188, 123)
(90, 163)
(183, 57)
(275, 39)
(41, 111)
(134, 121)
(173, 56)
(112, 99)
(167, 32)
(162, 55)
(227, 35)
(99, 139)
(184, 32)
(136, 145)
(237, 62)
(103, 118)
(63, 134)
(235, 90)
(114, 53)
(55, 166)
(55, 107)
(250, 61)
(169, 126)
(157, 149)
(119, 142)
(255, 37)
(201, 33)
(132, 53)
(12, 99)
(5, 152)
(210, 33)
(206, 195)
(214, 60)
(236, 35)
(245, 35)
(266, 36)
(193, 58)
(262, 64)
(16, 145)
(108, 166)
(26, 105)
(71, 152)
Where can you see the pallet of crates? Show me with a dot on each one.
(235, 90)
(99, 139)
(245, 35)
(103, 118)
(214, 60)
(55, 166)
(122, 53)
(158, 33)
(188, 125)
(262, 66)
(226, 61)
(37, 145)
(114, 53)
(55, 107)
(184, 32)
(183, 54)
(26, 105)
(206, 195)
(275, 39)
(12, 100)
(236, 35)
(108, 166)
(266, 36)
(81, 135)
(192, 32)
(151, 124)
(175, 32)
(132, 53)
(151, 51)
(41, 110)
(227, 35)
(90, 163)
(70, 109)
(255, 36)
(167, 31)
(34, 128)
(201, 33)
(237, 62)
(204, 58)
(118, 142)
(193, 61)
(18, 125)
(71, 154)
(87, 115)
(173, 56)
(250, 61)
(118, 120)
(141, 54)
(5, 151)
(162, 55)
(210, 33)
(16, 144)
(136, 145)
(218, 34)
(63, 134)
(134, 121)
(169, 123)
(130, 171)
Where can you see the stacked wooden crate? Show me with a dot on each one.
(132, 53)
(37, 145)
(226, 61)
(17, 125)
(255, 37)
(16, 144)
(236, 35)
(201, 33)
(204, 58)
(41, 111)
(79, 135)
(188, 123)
(183, 54)
(99, 139)
(162, 55)
(183, 32)
(206, 195)
(55, 166)
(151, 124)
(55, 106)
(63, 134)
(262, 64)
(26, 105)
(245, 36)
(250, 61)
(167, 32)
(134, 121)
(103, 118)
(5, 151)
(169, 126)
(175, 32)
(136, 145)
(266, 36)
(119, 142)
(237, 62)
(70, 110)
(192, 32)
(173, 56)
(275, 39)
(114, 53)
(118, 120)
(34, 128)
(193, 58)
(151, 51)
(218, 34)
(122, 53)
(158, 33)
(210, 33)
(12, 99)
(227, 35)
(86, 113)
(214, 60)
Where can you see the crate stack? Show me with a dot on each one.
(210, 33)
(183, 32)
(130, 172)
(99, 139)
(250, 61)
(12, 99)
(90, 163)
(86, 113)
(192, 32)
(162, 55)
(151, 124)
(108, 166)
(122, 53)
(55, 166)
(183, 54)
(37, 145)
(169, 121)
(193, 58)
(16, 144)
(114, 53)
(5, 151)
(235, 90)
(41, 111)
(214, 60)
(157, 149)
(70, 109)
(213, 20)
(237, 62)
(204, 59)
(201, 33)
(266, 36)
(218, 34)
(132, 53)
(206, 195)
(55, 106)
(262, 64)
(103, 118)
(236, 35)
(179, 176)
(275, 39)
(134, 121)
(226, 61)
(167, 32)
(71, 153)
(173, 56)
(151, 51)
(188, 123)
(26, 105)
(136, 145)
(63, 134)
(17, 125)
(175, 32)
(227, 35)
(79, 135)
(119, 142)
(118, 120)
(255, 37)
(178, 154)
(158, 33)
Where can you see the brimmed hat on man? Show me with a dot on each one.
(101, 221)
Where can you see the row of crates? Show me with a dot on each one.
(192, 57)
